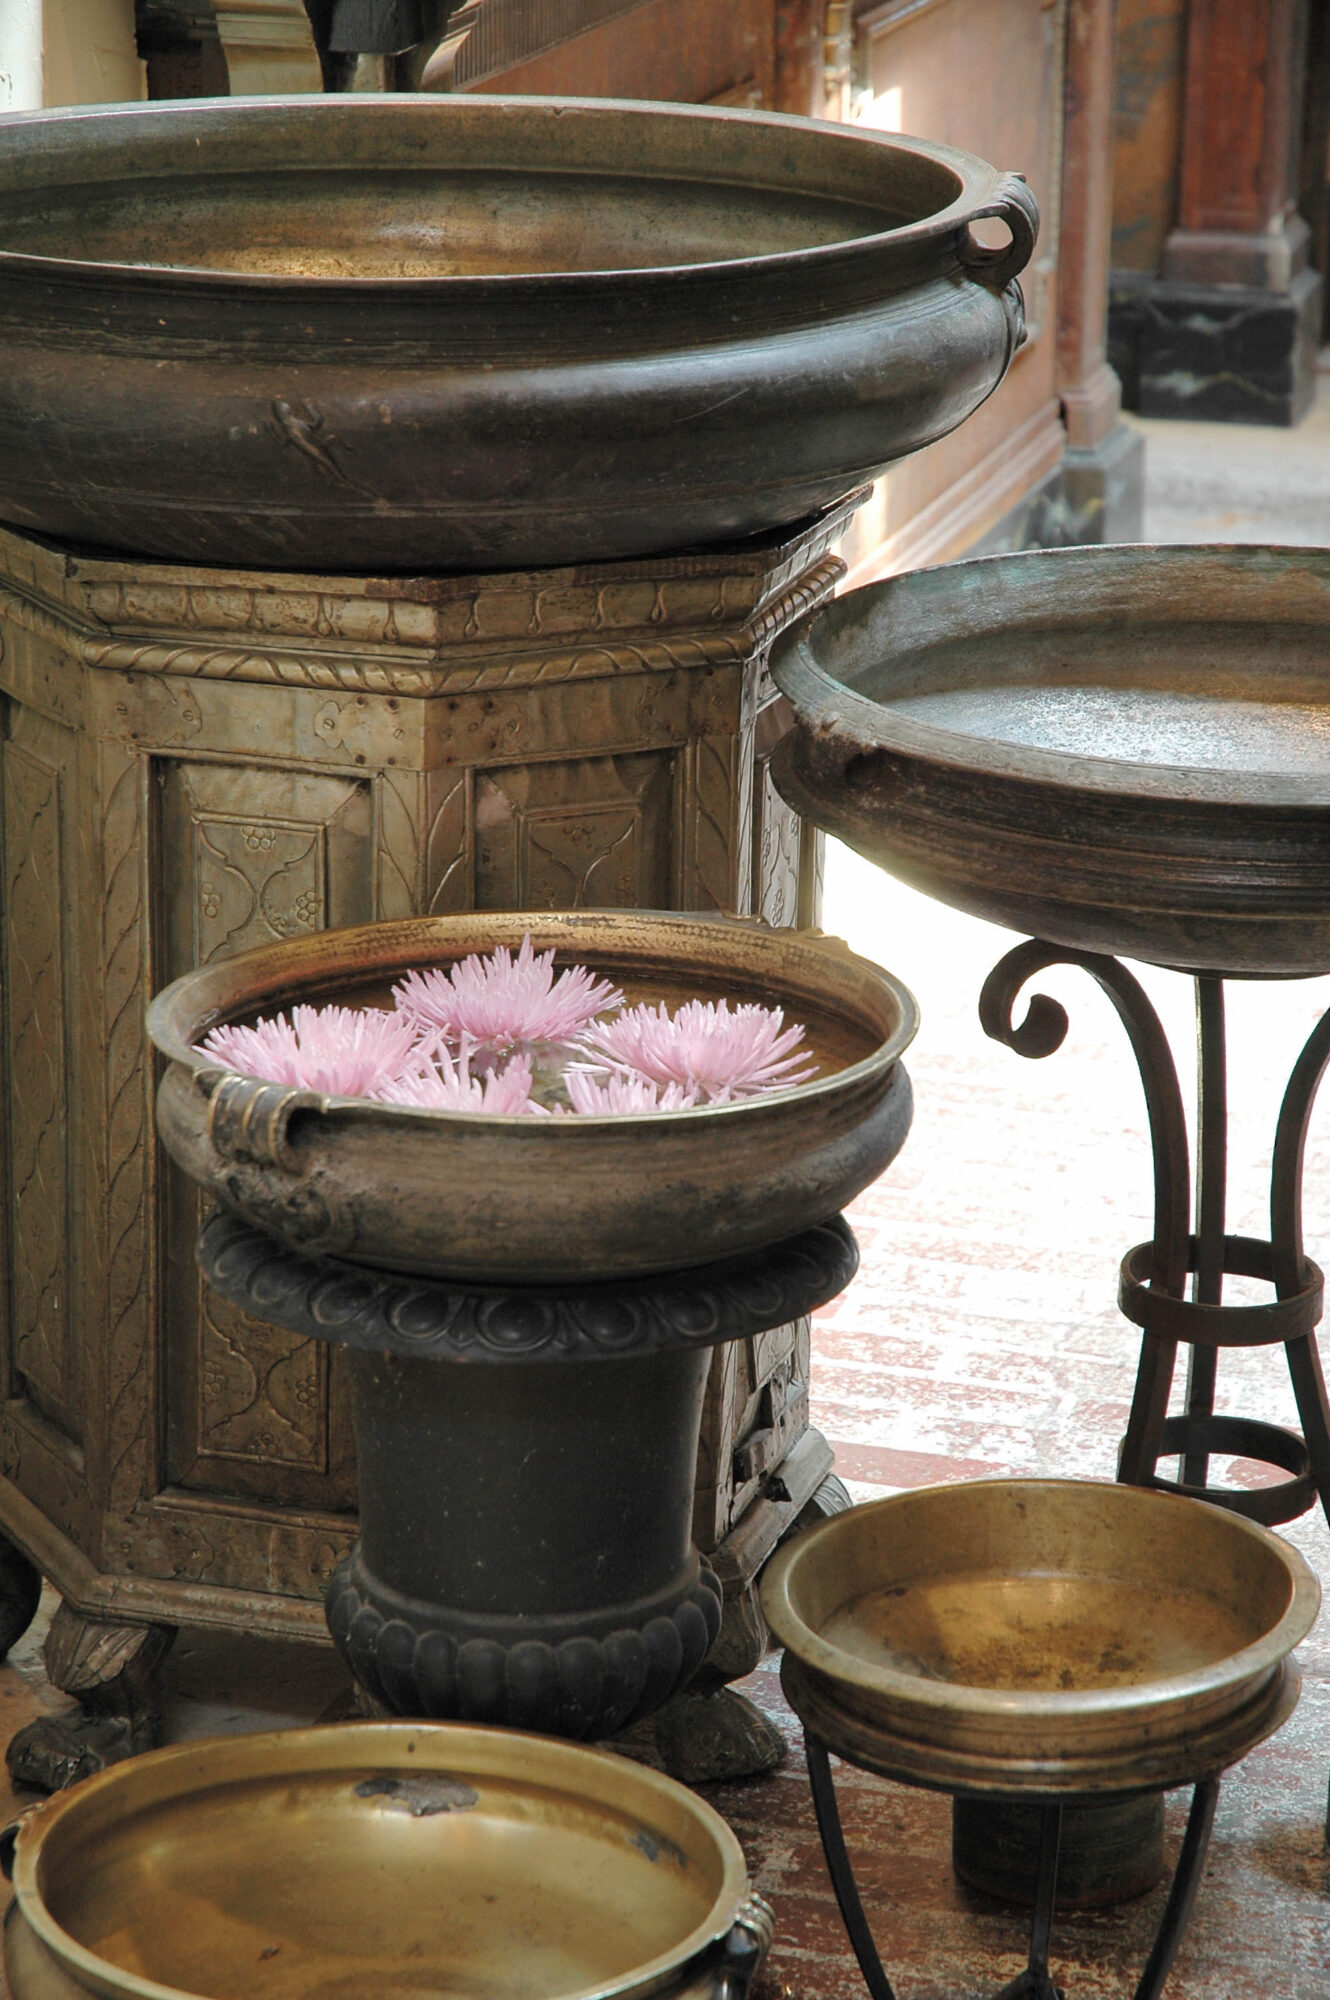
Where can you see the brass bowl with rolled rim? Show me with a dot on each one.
(524, 1200)
(457, 333)
(380, 1860)
(1041, 1636)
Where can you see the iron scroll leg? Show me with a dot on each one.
(1182, 1891)
(840, 1870)
(1035, 1982)
(1211, 1195)
(1153, 1291)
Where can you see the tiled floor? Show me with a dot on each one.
(981, 1337)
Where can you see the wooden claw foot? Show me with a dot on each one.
(113, 1672)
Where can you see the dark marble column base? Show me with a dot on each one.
(1112, 1849)
(1104, 488)
(1218, 353)
(1094, 495)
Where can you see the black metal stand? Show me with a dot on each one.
(1153, 1292)
(1036, 1982)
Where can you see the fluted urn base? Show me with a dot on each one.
(526, 1481)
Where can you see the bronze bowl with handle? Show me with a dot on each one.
(377, 1861)
(473, 332)
(522, 1200)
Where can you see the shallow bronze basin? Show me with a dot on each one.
(520, 1200)
(373, 1861)
(1026, 1636)
(462, 333)
(1118, 749)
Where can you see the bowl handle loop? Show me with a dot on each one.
(249, 1120)
(9, 1836)
(745, 1948)
(1013, 204)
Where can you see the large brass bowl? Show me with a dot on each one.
(374, 1861)
(466, 333)
(522, 1200)
(1117, 749)
(1041, 1636)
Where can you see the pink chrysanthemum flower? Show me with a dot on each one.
(447, 1084)
(339, 1051)
(616, 1094)
(716, 1052)
(502, 1003)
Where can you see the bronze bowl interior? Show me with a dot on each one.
(1117, 749)
(468, 332)
(1027, 1636)
(375, 1861)
(519, 1199)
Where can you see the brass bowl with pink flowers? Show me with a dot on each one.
(504, 1198)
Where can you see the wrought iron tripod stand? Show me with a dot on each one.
(1153, 1294)
(1153, 1288)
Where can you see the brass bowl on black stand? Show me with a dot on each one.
(530, 1303)
(1038, 1642)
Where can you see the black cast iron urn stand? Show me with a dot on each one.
(527, 1458)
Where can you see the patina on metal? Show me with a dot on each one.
(378, 1858)
(471, 332)
(1116, 749)
(527, 1200)
(526, 1458)
(1047, 1641)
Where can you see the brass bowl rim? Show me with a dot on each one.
(541, 1758)
(977, 183)
(834, 710)
(1043, 1706)
(167, 1010)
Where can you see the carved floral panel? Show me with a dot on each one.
(263, 1392)
(777, 839)
(591, 833)
(249, 856)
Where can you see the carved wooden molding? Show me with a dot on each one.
(716, 623)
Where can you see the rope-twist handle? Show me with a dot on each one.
(248, 1120)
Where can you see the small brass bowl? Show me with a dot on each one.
(376, 1861)
(528, 1200)
(1035, 1636)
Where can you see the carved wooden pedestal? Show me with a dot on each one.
(196, 761)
